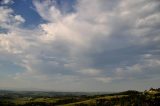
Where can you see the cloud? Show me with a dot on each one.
(47, 10)
(110, 37)
(4, 2)
(8, 20)
(148, 69)
(19, 18)
(90, 72)
(104, 42)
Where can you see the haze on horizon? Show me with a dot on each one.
(80, 45)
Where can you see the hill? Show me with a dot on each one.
(40, 98)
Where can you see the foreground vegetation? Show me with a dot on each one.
(127, 98)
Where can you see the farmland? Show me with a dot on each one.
(41, 98)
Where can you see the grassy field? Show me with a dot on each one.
(93, 101)
(128, 98)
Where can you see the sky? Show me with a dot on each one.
(80, 45)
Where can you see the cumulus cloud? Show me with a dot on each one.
(47, 10)
(105, 36)
(102, 41)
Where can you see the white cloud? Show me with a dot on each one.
(47, 10)
(147, 69)
(90, 72)
(11, 40)
(104, 41)
(104, 79)
(76, 37)
(19, 18)
(6, 1)
(12, 44)
(8, 20)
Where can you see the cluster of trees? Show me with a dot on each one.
(156, 90)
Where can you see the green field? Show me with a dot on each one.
(127, 98)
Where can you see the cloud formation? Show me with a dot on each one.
(101, 43)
